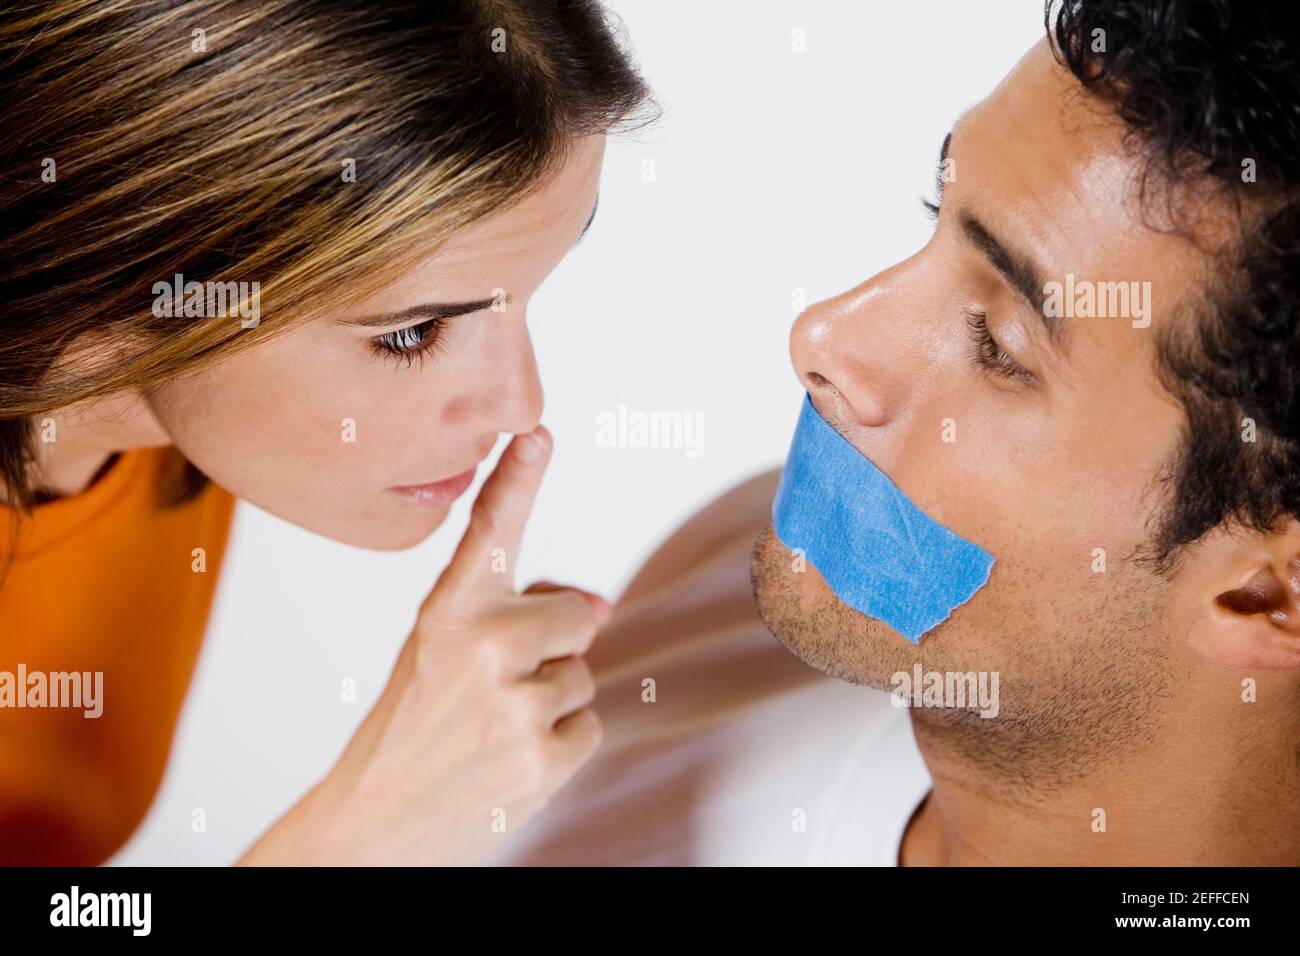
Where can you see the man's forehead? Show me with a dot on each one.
(1043, 154)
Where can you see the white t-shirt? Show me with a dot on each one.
(746, 756)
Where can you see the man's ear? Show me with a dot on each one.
(1250, 613)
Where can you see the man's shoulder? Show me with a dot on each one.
(733, 518)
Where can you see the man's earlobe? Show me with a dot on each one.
(1257, 623)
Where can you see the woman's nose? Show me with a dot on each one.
(500, 391)
(518, 400)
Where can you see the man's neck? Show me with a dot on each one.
(1187, 803)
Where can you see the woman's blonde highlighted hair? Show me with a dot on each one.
(213, 139)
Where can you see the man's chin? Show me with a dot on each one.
(802, 613)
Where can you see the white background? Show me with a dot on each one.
(776, 171)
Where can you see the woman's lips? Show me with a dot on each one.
(437, 494)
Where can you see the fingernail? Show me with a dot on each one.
(529, 447)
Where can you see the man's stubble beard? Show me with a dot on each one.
(1076, 690)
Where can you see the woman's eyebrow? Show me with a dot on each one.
(429, 310)
(445, 310)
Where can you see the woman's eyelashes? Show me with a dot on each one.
(410, 343)
(988, 354)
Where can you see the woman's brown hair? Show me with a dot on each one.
(310, 146)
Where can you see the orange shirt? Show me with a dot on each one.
(106, 581)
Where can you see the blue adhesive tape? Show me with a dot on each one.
(877, 551)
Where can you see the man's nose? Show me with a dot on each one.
(854, 353)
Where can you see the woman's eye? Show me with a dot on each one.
(412, 342)
(989, 355)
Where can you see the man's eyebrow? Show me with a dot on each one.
(1019, 270)
(939, 166)
(939, 169)
(429, 310)
(590, 220)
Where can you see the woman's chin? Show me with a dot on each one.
(387, 532)
(404, 534)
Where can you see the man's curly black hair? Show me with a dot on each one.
(1211, 88)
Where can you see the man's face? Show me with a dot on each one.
(1042, 443)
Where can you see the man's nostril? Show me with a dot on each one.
(821, 386)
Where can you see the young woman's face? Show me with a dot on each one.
(367, 433)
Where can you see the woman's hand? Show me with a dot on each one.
(485, 716)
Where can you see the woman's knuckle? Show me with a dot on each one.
(534, 762)
(584, 680)
(593, 728)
